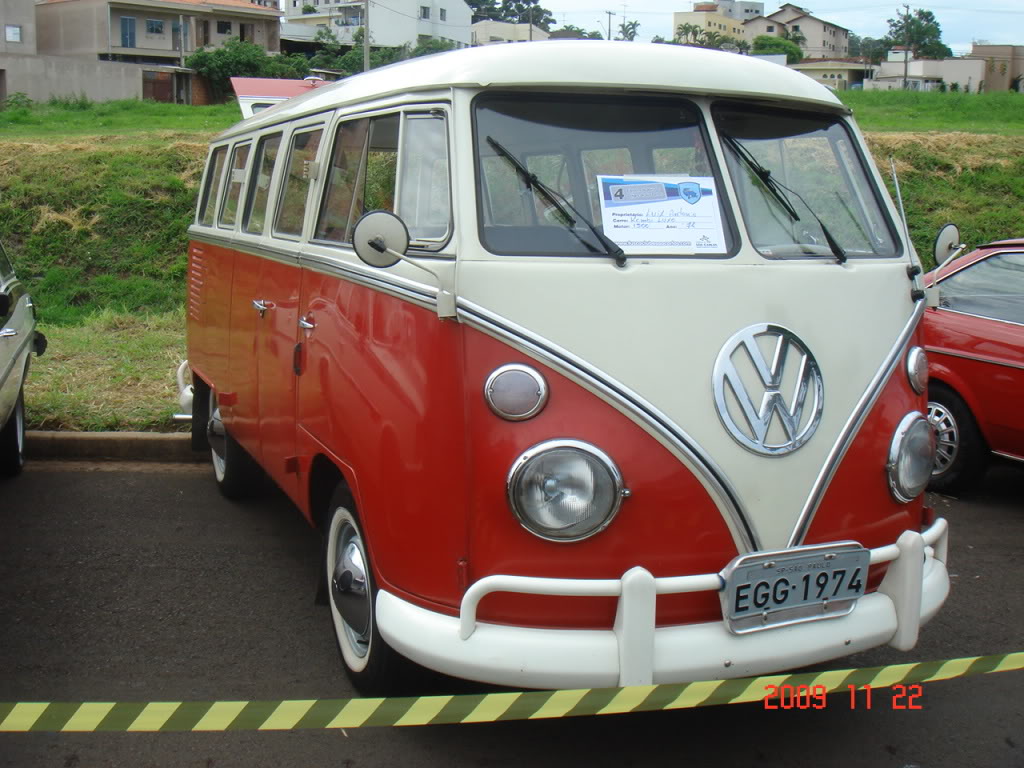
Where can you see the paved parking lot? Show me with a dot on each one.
(139, 582)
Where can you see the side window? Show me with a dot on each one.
(363, 175)
(339, 210)
(291, 208)
(423, 202)
(255, 216)
(990, 288)
(233, 187)
(213, 178)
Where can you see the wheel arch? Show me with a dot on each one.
(324, 477)
(945, 377)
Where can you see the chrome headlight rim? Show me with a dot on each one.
(538, 379)
(520, 465)
(897, 487)
(917, 369)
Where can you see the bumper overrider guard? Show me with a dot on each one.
(636, 652)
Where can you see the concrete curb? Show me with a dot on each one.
(123, 446)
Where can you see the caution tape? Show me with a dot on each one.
(22, 717)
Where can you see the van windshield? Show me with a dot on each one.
(801, 185)
(636, 166)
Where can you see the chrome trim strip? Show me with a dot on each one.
(852, 427)
(630, 403)
(980, 317)
(976, 358)
(1009, 456)
(402, 288)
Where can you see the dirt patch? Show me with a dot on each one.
(964, 151)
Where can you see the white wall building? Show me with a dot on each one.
(400, 22)
(490, 32)
(927, 74)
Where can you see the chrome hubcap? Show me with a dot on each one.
(947, 437)
(350, 591)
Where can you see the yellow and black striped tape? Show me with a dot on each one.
(21, 717)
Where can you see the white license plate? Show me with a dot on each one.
(769, 589)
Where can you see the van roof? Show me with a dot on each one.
(564, 64)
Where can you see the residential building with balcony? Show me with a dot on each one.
(152, 31)
(822, 39)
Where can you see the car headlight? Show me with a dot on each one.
(917, 369)
(565, 490)
(911, 457)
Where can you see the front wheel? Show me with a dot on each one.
(12, 439)
(371, 664)
(960, 452)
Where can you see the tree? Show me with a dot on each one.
(867, 48)
(794, 36)
(921, 31)
(769, 44)
(333, 55)
(242, 59)
(628, 30)
(581, 33)
(526, 12)
(689, 34)
(308, 8)
(743, 46)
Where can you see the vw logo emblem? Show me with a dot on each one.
(768, 390)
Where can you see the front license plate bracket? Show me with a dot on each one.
(763, 590)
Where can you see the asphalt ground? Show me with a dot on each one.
(138, 582)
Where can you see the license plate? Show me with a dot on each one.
(769, 589)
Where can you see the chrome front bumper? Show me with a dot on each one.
(636, 652)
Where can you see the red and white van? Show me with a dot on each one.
(595, 364)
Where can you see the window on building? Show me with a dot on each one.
(796, 27)
(12, 33)
(223, 27)
(424, 11)
(444, 15)
(770, 28)
(154, 27)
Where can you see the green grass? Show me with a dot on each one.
(113, 371)
(998, 113)
(80, 117)
(95, 201)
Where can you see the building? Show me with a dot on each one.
(151, 31)
(1004, 66)
(710, 18)
(927, 74)
(399, 22)
(840, 74)
(490, 32)
(736, 9)
(822, 39)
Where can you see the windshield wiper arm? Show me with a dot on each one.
(559, 202)
(778, 191)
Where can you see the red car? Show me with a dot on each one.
(975, 344)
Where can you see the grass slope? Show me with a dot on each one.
(95, 203)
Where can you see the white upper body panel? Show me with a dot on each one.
(565, 63)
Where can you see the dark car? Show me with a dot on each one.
(18, 338)
(975, 344)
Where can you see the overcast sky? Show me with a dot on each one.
(996, 21)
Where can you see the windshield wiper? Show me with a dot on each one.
(778, 191)
(559, 202)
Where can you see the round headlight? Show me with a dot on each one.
(911, 457)
(564, 490)
(917, 369)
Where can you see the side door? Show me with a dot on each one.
(981, 309)
(279, 288)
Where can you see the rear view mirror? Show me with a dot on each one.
(380, 239)
(947, 244)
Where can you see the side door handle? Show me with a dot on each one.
(7, 333)
(262, 306)
(306, 324)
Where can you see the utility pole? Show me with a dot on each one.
(610, 14)
(366, 35)
(906, 46)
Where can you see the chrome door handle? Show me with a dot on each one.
(261, 306)
(7, 333)
(306, 325)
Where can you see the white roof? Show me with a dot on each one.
(566, 64)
